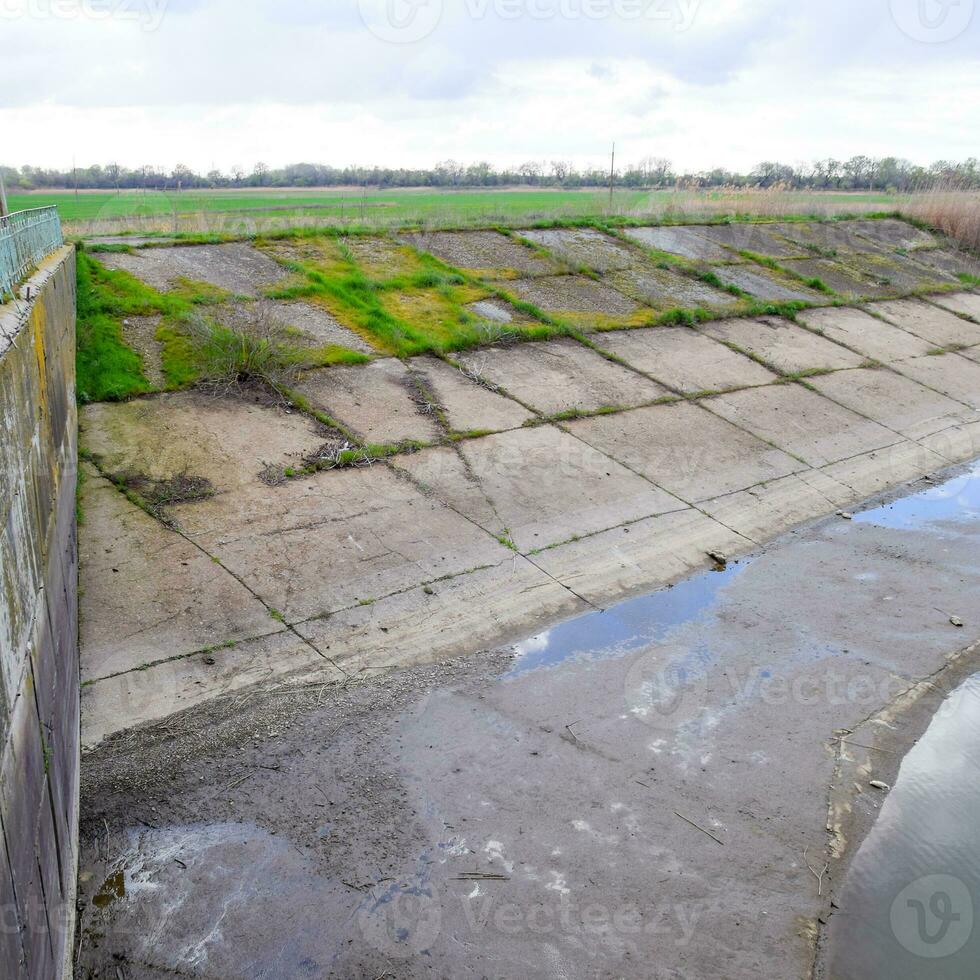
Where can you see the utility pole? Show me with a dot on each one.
(4, 211)
(612, 177)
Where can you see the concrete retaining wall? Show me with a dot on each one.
(39, 685)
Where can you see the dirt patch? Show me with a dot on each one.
(140, 333)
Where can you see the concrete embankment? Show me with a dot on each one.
(39, 682)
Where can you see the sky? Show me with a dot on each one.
(704, 83)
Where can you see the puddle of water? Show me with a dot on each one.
(628, 626)
(912, 896)
(957, 500)
(113, 887)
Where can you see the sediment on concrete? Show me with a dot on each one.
(39, 679)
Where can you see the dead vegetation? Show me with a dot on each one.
(955, 213)
(156, 496)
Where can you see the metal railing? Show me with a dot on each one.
(26, 237)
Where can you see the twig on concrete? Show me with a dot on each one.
(820, 876)
(697, 827)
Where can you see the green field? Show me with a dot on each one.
(152, 210)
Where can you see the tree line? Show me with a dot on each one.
(858, 173)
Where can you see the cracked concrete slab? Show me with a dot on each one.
(802, 423)
(893, 400)
(951, 374)
(541, 485)
(949, 261)
(229, 441)
(467, 405)
(957, 444)
(561, 376)
(864, 333)
(324, 542)
(968, 303)
(142, 697)
(236, 267)
(479, 609)
(586, 247)
(938, 326)
(824, 236)
(767, 285)
(684, 359)
(664, 290)
(483, 252)
(782, 344)
(574, 298)
(374, 401)
(685, 449)
(648, 554)
(879, 471)
(894, 273)
(148, 594)
(684, 241)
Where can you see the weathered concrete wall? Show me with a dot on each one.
(39, 682)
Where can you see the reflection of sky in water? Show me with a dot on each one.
(956, 500)
(625, 627)
(927, 827)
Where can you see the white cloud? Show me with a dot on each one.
(224, 82)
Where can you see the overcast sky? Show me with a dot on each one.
(410, 82)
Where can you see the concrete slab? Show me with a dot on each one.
(803, 423)
(326, 542)
(894, 401)
(951, 374)
(375, 401)
(823, 236)
(483, 252)
(879, 471)
(380, 257)
(228, 441)
(968, 303)
(939, 327)
(893, 233)
(766, 285)
(684, 359)
(237, 267)
(949, 261)
(685, 449)
(543, 486)
(318, 326)
(140, 333)
(480, 609)
(782, 344)
(844, 281)
(580, 247)
(972, 353)
(897, 274)
(466, 405)
(664, 290)
(647, 555)
(573, 298)
(959, 444)
(148, 594)
(142, 697)
(772, 508)
(752, 237)
(864, 333)
(561, 376)
(683, 241)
